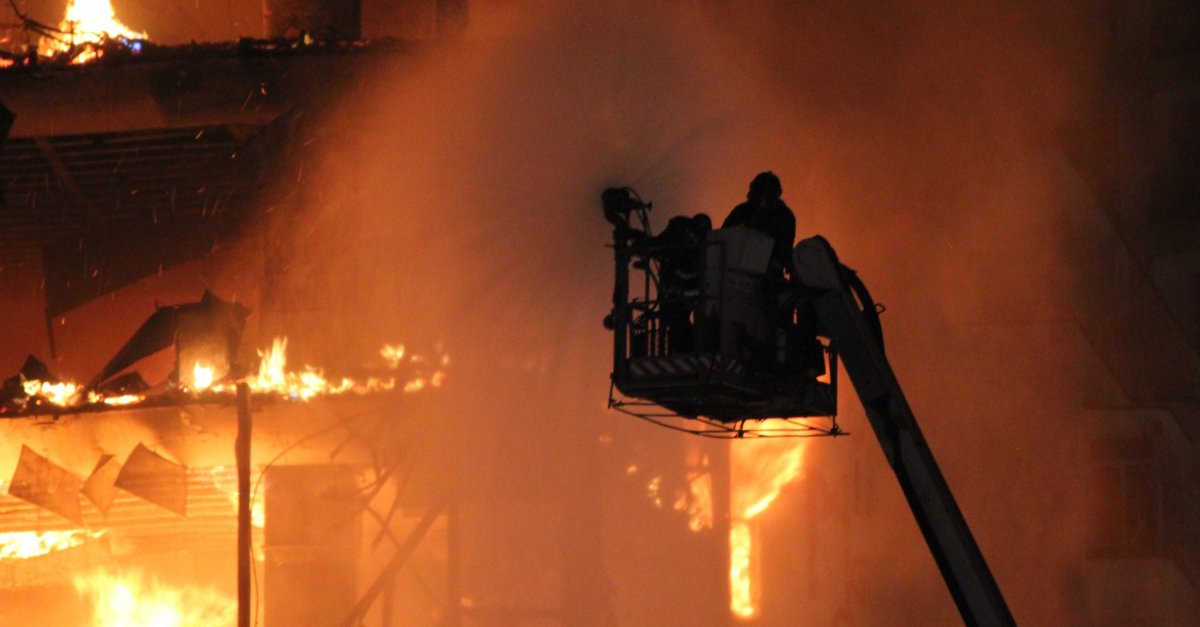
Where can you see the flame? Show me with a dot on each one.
(27, 544)
(742, 598)
(392, 354)
(89, 23)
(202, 377)
(759, 470)
(133, 599)
(653, 490)
(258, 514)
(271, 378)
(60, 393)
(124, 399)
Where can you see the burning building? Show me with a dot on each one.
(1015, 183)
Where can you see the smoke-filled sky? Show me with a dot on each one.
(460, 204)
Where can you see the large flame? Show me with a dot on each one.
(27, 544)
(743, 601)
(274, 378)
(271, 378)
(87, 24)
(759, 470)
(132, 599)
(202, 376)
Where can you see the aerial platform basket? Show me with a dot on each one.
(714, 338)
(699, 332)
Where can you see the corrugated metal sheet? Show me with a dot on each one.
(54, 187)
(133, 527)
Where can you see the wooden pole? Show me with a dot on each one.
(242, 453)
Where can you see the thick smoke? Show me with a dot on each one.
(456, 202)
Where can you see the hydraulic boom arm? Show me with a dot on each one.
(847, 315)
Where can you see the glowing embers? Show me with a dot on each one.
(60, 393)
(27, 544)
(131, 598)
(87, 27)
(759, 470)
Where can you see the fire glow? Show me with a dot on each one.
(86, 26)
(27, 544)
(274, 378)
(202, 377)
(228, 488)
(759, 470)
(133, 599)
(271, 379)
(54, 392)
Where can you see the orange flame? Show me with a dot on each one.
(202, 376)
(743, 597)
(27, 544)
(133, 599)
(118, 401)
(759, 470)
(62, 394)
(258, 514)
(272, 378)
(88, 22)
(393, 354)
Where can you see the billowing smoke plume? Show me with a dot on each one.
(455, 200)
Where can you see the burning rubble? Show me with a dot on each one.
(88, 31)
